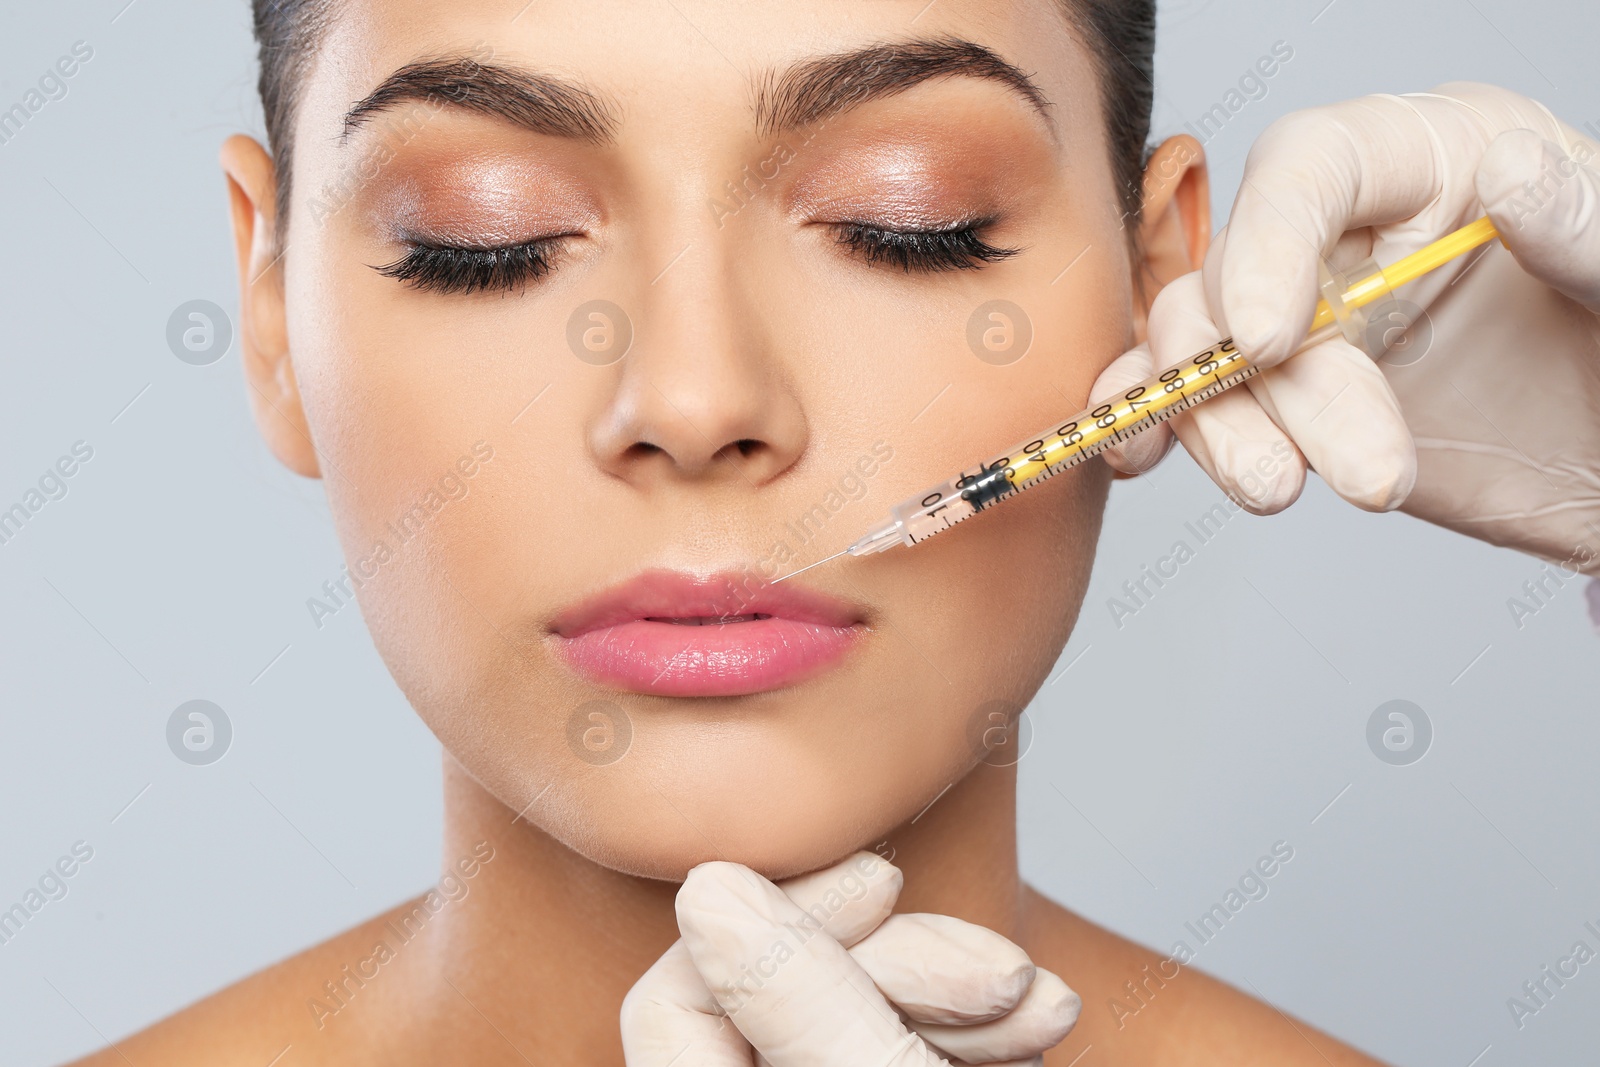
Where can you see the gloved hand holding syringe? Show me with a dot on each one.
(1350, 299)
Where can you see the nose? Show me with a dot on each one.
(702, 395)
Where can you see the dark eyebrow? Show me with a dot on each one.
(534, 101)
(819, 88)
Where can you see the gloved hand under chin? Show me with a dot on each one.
(818, 973)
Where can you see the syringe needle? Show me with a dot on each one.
(807, 567)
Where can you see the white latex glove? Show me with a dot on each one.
(1495, 430)
(804, 976)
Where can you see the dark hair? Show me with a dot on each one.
(1121, 34)
(288, 33)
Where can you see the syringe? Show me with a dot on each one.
(1151, 402)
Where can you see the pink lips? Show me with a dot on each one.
(671, 634)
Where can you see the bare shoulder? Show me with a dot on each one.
(289, 1005)
(1142, 1007)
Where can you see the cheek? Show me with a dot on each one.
(981, 617)
(981, 613)
(405, 394)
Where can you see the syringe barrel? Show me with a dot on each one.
(1069, 443)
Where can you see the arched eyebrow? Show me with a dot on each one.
(824, 86)
(533, 100)
(808, 91)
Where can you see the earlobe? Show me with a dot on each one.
(1175, 224)
(263, 329)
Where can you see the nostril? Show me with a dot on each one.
(644, 448)
(746, 446)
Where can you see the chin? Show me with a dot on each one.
(772, 816)
(668, 854)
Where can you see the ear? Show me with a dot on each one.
(1175, 222)
(263, 329)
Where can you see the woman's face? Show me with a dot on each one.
(724, 345)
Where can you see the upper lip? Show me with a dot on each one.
(675, 595)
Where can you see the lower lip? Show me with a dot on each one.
(723, 660)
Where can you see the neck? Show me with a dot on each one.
(546, 943)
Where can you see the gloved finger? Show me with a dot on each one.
(1046, 1015)
(1335, 404)
(1150, 447)
(1311, 176)
(1343, 416)
(1404, 162)
(1232, 439)
(1244, 452)
(940, 969)
(669, 1016)
(849, 899)
(1546, 205)
(1037, 1061)
(795, 993)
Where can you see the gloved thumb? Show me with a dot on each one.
(1545, 201)
(793, 991)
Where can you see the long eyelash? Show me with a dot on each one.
(956, 248)
(453, 269)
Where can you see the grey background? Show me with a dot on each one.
(178, 566)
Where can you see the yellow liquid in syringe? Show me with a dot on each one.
(1093, 431)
